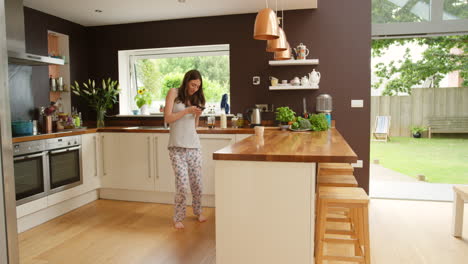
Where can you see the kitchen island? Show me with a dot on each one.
(265, 195)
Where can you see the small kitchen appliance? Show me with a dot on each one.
(254, 116)
(324, 105)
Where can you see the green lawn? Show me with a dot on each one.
(441, 160)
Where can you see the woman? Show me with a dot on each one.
(182, 111)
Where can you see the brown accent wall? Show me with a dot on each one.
(36, 26)
(338, 33)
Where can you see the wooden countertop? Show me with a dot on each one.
(54, 135)
(286, 146)
(200, 130)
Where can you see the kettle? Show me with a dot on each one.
(254, 116)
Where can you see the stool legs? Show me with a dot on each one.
(321, 232)
(359, 226)
(457, 221)
(365, 224)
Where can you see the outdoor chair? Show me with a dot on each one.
(382, 128)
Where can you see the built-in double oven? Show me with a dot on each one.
(44, 167)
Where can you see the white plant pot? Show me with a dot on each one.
(144, 110)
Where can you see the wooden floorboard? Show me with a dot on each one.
(114, 232)
(120, 232)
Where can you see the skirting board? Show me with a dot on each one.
(31, 220)
(150, 197)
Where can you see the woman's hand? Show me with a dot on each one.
(193, 110)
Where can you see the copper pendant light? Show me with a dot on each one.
(279, 44)
(266, 26)
(283, 55)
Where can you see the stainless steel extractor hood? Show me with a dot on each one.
(16, 44)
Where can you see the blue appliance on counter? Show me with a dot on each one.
(22, 128)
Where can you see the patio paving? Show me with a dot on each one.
(388, 184)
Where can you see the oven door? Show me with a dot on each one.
(65, 168)
(31, 181)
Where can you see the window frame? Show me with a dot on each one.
(435, 26)
(127, 59)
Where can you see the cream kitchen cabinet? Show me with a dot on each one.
(110, 157)
(137, 170)
(166, 178)
(128, 161)
(140, 161)
(209, 144)
(91, 161)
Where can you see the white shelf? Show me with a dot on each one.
(292, 87)
(293, 62)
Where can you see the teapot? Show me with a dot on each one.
(301, 51)
(304, 81)
(314, 78)
(295, 81)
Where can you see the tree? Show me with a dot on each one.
(148, 75)
(212, 90)
(437, 61)
(384, 11)
(172, 80)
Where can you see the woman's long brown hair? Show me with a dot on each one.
(198, 98)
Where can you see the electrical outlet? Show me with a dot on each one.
(358, 164)
(357, 103)
(262, 107)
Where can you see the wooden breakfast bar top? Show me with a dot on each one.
(288, 146)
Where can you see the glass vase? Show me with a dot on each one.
(101, 112)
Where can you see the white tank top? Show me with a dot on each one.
(182, 133)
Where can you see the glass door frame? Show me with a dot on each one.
(9, 253)
(436, 25)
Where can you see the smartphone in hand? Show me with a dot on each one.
(201, 107)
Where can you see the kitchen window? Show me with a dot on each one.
(158, 70)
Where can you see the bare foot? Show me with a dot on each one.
(201, 218)
(179, 225)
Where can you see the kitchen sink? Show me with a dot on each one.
(147, 127)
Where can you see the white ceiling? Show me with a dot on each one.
(131, 11)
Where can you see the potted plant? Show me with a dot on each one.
(285, 115)
(143, 100)
(417, 130)
(99, 98)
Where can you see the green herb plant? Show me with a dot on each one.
(319, 122)
(285, 115)
(301, 123)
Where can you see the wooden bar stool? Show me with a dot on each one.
(337, 180)
(335, 169)
(460, 196)
(356, 201)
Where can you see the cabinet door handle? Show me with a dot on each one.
(156, 157)
(102, 156)
(95, 156)
(149, 157)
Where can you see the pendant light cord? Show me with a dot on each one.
(282, 14)
(266, 3)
